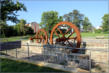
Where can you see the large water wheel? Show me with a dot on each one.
(67, 34)
(40, 37)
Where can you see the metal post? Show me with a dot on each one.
(108, 50)
(90, 61)
(108, 43)
(6, 52)
(16, 52)
(28, 51)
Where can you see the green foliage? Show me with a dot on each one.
(75, 17)
(98, 31)
(9, 9)
(87, 26)
(90, 34)
(15, 38)
(28, 30)
(105, 23)
(8, 31)
(49, 19)
(16, 30)
(60, 19)
(20, 27)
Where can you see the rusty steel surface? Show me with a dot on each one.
(40, 37)
(65, 38)
(57, 36)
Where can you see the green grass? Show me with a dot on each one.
(89, 34)
(83, 35)
(8, 65)
(15, 38)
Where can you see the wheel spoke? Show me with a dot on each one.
(69, 43)
(57, 34)
(72, 38)
(70, 34)
(67, 30)
(59, 31)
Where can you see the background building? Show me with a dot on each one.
(34, 26)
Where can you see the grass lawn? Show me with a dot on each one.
(15, 38)
(89, 34)
(83, 35)
(8, 65)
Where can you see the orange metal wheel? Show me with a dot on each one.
(66, 33)
(41, 36)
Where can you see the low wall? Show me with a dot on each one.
(95, 43)
(97, 49)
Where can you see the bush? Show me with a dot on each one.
(29, 30)
(98, 31)
(8, 31)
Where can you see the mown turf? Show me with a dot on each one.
(15, 38)
(16, 66)
(83, 35)
(89, 34)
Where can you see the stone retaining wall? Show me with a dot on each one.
(101, 43)
(96, 44)
(96, 55)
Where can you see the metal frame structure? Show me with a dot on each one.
(41, 35)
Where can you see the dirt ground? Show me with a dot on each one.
(97, 50)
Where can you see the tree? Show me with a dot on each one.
(105, 23)
(28, 30)
(49, 19)
(87, 26)
(9, 9)
(17, 28)
(75, 17)
(60, 19)
(20, 27)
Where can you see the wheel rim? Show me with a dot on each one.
(41, 36)
(63, 37)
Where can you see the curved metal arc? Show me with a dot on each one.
(77, 38)
(40, 35)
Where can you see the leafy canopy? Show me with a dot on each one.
(9, 9)
(49, 19)
(105, 23)
(75, 17)
(87, 26)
